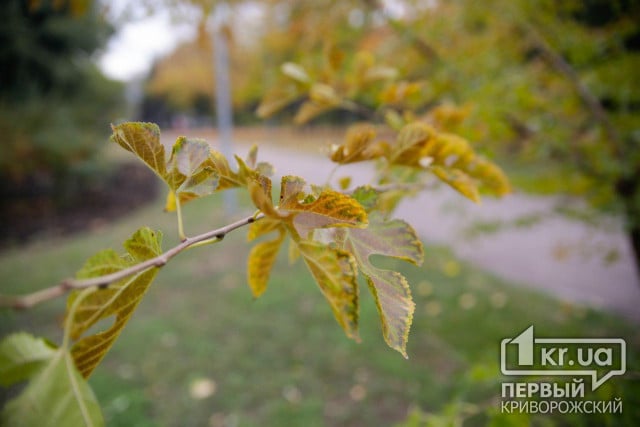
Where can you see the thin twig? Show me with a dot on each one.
(405, 32)
(400, 186)
(359, 109)
(420, 45)
(32, 299)
(560, 65)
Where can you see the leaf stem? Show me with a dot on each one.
(331, 174)
(70, 317)
(32, 299)
(206, 242)
(181, 234)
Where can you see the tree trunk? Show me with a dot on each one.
(634, 235)
(628, 189)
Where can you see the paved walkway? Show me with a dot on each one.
(549, 255)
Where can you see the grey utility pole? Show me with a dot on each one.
(224, 113)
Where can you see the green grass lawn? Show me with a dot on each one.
(200, 351)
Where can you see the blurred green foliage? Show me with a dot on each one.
(549, 86)
(54, 102)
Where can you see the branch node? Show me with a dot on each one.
(160, 262)
(21, 305)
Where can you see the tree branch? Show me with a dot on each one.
(420, 45)
(592, 103)
(32, 299)
(405, 32)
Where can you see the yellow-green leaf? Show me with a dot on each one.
(190, 175)
(119, 299)
(492, 179)
(260, 193)
(246, 173)
(291, 189)
(227, 177)
(412, 139)
(261, 259)
(323, 94)
(186, 170)
(21, 356)
(188, 156)
(264, 226)
(215, 174)
(263, 255)
(304, 211)
(394, 120)
(367, 196)
(299, 214)
(449, 157)
(448, 116)
(142, 139)
(294, 251)
(333, 207)
(56, 396)
(144, 244)
(329, 209)
(255, 168)
(295, 72)
(344, 182)
(459, 180)
(252, 156)
(359, 145)
(392, 238)
(309, 110)
(335, 273)
(400, 92)
(193, 169)
(334, 57)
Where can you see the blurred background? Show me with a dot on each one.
(548, 90)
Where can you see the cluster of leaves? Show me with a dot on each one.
(334, 231)
(358, 84)
(417, 146)
(421, 143)
(57, 393)
(193, 170)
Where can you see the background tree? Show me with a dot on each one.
(548, 84)
(185, 78)
(53, 99)
(262, 36)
